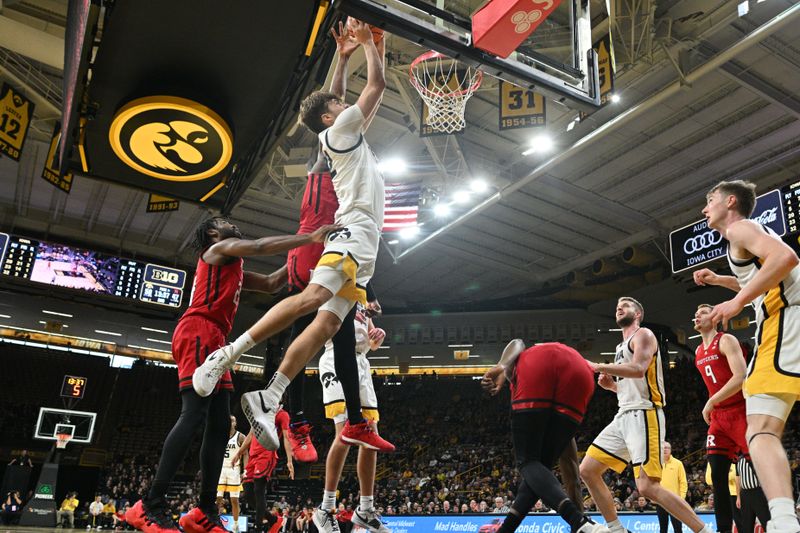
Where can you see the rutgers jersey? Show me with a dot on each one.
(215, 292)
(319, 203)
(716, 371)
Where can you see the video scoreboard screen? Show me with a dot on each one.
(87, 270)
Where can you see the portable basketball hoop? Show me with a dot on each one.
(445, 85)
(62, 439)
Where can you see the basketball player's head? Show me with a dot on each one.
(319, 110)
(233, 423)
(735, 196)
(702, 318)
(211, 230)
(629, 311)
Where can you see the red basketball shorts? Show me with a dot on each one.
(299, 264)
(726, 434)
(194, 338)
(552, 376)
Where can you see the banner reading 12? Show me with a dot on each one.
(16, 113)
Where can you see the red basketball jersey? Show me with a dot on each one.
(257, 452)
(716, 372)
(319, 203)
(215, 292)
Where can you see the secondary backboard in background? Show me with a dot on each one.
(557, 60)
(50, 420)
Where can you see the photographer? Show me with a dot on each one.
(12, 508)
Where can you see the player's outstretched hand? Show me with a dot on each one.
(377, 334)
(290, 467)
(705, 276)
(605, 381)
(345, 43)
(724, 312)
(319, 234)
(361, 31)
(493, 380)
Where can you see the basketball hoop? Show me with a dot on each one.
(62, 439)
(445, 86)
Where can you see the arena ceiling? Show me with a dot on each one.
(705, 94)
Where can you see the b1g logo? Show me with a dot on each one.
(171, 138)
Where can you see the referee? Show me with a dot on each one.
(750, 498)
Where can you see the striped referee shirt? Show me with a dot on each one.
(747, 474)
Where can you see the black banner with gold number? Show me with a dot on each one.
(605, 66)
(520, 108)
(16, 113)
(50, 171)
(160, 204)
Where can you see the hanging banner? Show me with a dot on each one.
(50, 171)
(520, 108)
(605, 66)
(159, 204)
(16, 113)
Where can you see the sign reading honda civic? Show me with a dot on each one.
(696, 243)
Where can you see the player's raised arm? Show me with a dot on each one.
(270, 283)
(705, 276)
(345, 46)
(371, 96)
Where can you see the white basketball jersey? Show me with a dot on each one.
(785, 294)
(231, 449)
(354, 170)
(639, 393)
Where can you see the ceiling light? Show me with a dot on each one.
(56, 313)
(393, 165)
(114, 333)
(615, 98)
(154, 330)
(461, 197)
(393, 241)
(441, 210)
(378, 357)
(459, 346)
(695, 336)
(539, 144)
(409, 233)
(608, 353)
(571, 125)
(673, 352)
(421, 357)
(478, 186)
(5, 316)
(160, 341)
(384, 347)
(744, 8)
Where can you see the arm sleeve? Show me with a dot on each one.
(371, 297)
(345, 130)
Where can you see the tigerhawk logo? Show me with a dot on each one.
(171, 138)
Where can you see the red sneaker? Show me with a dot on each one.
(364, 435)
(197, 521)
(156, 520)
(300, 438)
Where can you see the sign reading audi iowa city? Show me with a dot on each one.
(695, 244)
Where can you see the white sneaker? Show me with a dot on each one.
(325, 521)
(593, 527)
(207, 375)
(236, 527)
(370, 520)
(260, 412)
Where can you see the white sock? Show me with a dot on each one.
(276, 388)
(782, 512)
(616, 525)
(328, 500)
(366, 503)
(705, 530)
(243, 343)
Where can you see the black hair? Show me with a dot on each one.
(202, 239)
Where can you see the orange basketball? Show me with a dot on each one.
(377, 33)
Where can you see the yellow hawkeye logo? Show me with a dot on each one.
(171, 138)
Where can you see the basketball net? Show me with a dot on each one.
(445, 86)
(62, 439)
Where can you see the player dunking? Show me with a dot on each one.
(720, 361)
(230, 480)
(318, 207)
(347, 262)
(551, 385)
(368, 338)
(636, 434)
(218, 281)
(766, 274)
(260, 465)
